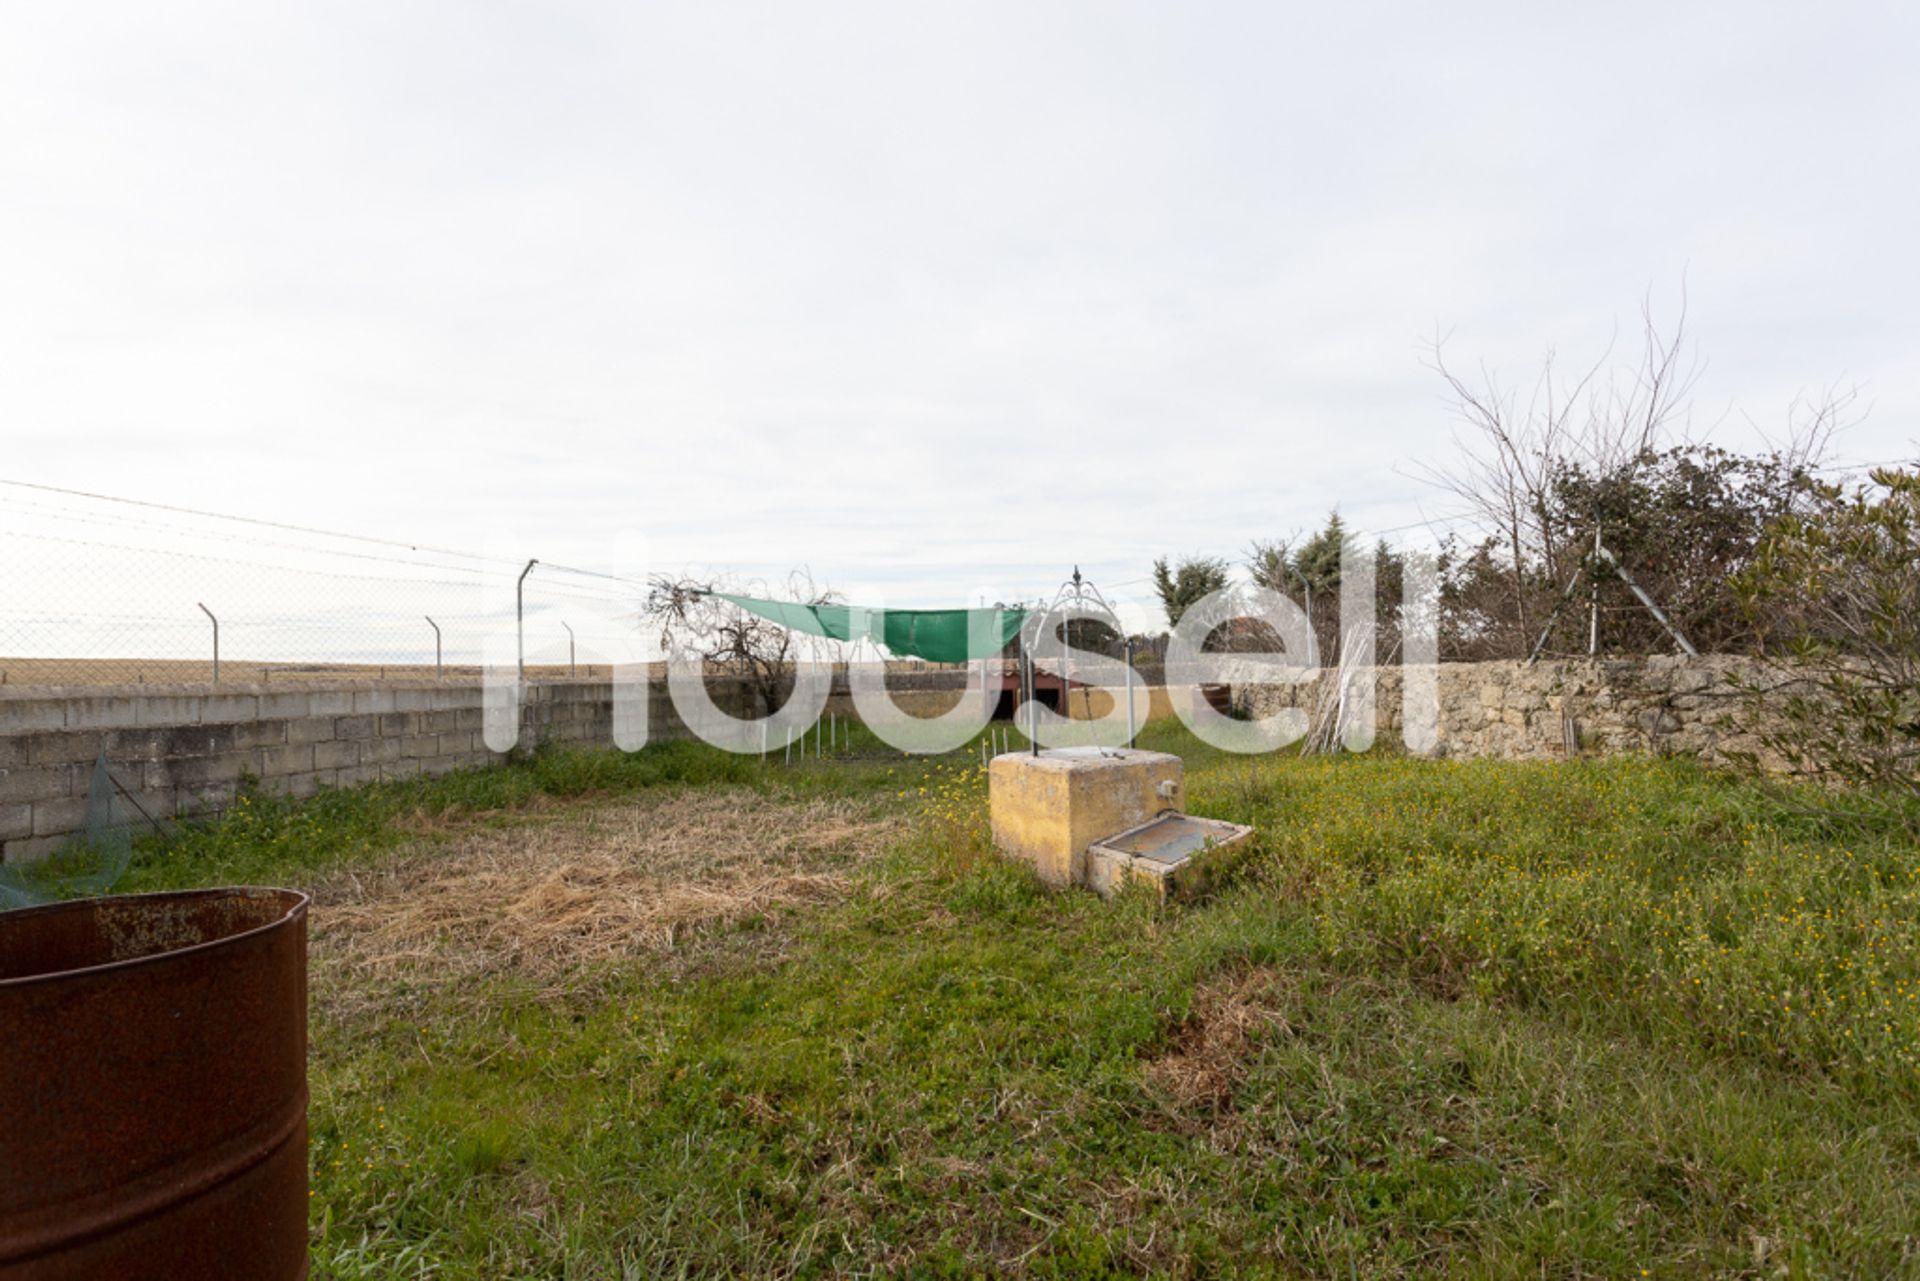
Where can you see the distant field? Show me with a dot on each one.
(240, 671)
(162, 671)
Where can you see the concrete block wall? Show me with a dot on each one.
(179, 751)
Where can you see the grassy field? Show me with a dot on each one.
(1623, 1018)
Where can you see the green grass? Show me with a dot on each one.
(1609, 1019)
(264, 838)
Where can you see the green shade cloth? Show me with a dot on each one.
(937, 635)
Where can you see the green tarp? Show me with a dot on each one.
(937, 635)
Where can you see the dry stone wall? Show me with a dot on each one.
(1512, 711)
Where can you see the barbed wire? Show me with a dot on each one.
(104, 590)
(248, 520)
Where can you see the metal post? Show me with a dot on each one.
(1066, 650)
(1313, 633)
(438, 672)
(1128, 653)
(573, 668)
(216, 641)
(1553, 615)
(1593, 605)
(520, 619)
(1033, 713)
(990, 697)
(1647, 600)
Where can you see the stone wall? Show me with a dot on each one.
(1512, 711)
(182, 750)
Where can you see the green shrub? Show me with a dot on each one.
(1837, 592)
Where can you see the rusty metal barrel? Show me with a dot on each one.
(153, 1087)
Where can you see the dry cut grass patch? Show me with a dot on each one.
(1205, 1059)
(544, 899)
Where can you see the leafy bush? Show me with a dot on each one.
(1837, 593)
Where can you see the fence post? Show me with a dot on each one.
(1033, 712)
(573, 668)
(437, 670)
(216, 641)
(1313, 633)
(520, 621)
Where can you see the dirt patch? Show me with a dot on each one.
(1205, 1058)
(543, 899)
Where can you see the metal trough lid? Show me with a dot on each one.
(1173, 838)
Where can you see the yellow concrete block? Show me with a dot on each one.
(1048, 809)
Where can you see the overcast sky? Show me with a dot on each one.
(935, 300)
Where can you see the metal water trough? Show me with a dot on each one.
(153, 1087)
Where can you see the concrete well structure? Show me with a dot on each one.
(1174, 855)
(1049, 808)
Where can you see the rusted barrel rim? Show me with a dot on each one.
(296, 906)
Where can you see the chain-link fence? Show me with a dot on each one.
(102, 591)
